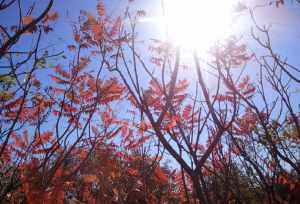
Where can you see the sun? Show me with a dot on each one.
(198, 24)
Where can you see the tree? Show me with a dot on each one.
(231, 111)
(42, 125)
(63, 141)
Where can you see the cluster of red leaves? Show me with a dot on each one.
(104, 177)
(133, 138)
(39, 144)
(81, 92)
(159, 51)
(27, 111)
(245, 124)
(245, 88)
(232, 53)
(155, 96)
(93, 171)
(189, 116)
(33, 188)
(287, 186)
(44, 24)
(97, 30)
(156, 100)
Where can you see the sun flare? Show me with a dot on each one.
(198, 24)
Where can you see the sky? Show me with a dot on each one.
(285, 20)
(284, 23)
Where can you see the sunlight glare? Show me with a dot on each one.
(198, 24)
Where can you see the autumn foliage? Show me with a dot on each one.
(112, 118)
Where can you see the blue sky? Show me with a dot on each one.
(285, 20)
(285, 23)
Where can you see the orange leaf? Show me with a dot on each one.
(27, 20)
(58, 80)
(89, 178)
(77, 37)
(97, 30)
(106, 119)
(161, 175)
(53, 16)
(133, 172)
(61, 72)
(71, 47)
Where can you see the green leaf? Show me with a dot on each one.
(7, 79)
(5, 95)
(41, 62)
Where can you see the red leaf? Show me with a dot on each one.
(116, 26)
(76, 37)
(133, 172)
(97, 31)
(249, 91)
(114, 133)
(43, 138)
(58, 80)
(89, 178)
(51, 16)
(187, 112)
(71, 47)
(61, 72)
(27, 20)
(95, 130)
(106, 119)
(14, 104)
